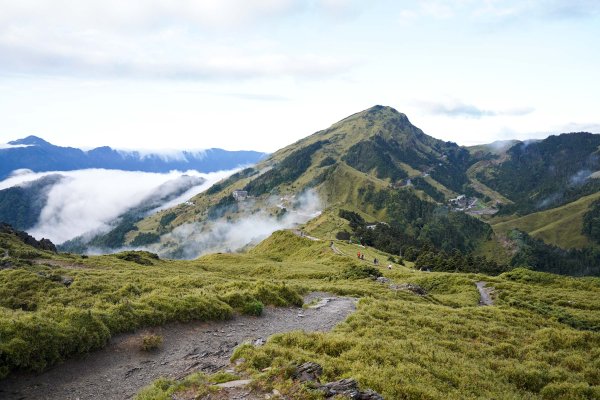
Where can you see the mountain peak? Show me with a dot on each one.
(31, 140)
(379, 114)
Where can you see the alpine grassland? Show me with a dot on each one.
(540, 340)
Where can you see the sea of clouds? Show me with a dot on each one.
(89, 200)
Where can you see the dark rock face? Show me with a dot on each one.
(311, 372)
(44, 244)
(349, 388)
(308, 372)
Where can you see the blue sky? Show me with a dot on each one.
(243, 74)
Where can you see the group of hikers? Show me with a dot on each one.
(361, 256)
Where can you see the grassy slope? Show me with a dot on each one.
(559, 226)
(535, 343)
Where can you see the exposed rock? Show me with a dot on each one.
(66, 280)
(416, 289)
(43, 244)
(308, 372)
(349, 388)
(370, 395)
(383, 279)
(311, 372)
(234, 384)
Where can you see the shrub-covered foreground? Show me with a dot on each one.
(540, 341)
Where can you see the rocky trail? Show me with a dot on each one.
(121, 369)
(485, 294)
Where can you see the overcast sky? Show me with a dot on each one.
(260, 74)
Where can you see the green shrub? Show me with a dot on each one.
(151, 342)
(360, 272)
(570, 391)
(253, 308)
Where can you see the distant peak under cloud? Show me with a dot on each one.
(456, 108)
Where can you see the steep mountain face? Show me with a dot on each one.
(38, 155)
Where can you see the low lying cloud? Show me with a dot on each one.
(456, 108)
(89, 200)
(192, 240)
(12, 146)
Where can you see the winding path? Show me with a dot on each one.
(120, 370)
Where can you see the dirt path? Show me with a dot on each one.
(336, 250)
(485, 294)
(120, 370)
(298, 232)
(60, 263)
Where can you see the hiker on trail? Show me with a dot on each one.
(389, 266)
(362, 256)
(358, 254)
(375, 261)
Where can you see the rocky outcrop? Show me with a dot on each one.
(348, 388)
(416, 289)
(44, 244)
(311, 372)
(308, 372)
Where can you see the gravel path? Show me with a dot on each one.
(485, 293)
(120, 370)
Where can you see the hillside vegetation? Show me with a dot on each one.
(561, 226)
(547, 173)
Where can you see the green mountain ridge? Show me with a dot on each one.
(376, 163)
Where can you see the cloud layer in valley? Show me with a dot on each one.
(192, 240)
(88, 200)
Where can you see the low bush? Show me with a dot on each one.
(151, 342)
(361, 272)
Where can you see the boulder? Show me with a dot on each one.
(416, 289)
(308, 372)
(348, 388)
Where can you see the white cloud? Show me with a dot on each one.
(88, 200)
(12, 146)
(579, 127)
(457, 108)
(500, 9)
(195, 40)
(194, 239)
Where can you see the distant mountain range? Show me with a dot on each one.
(38, 155)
